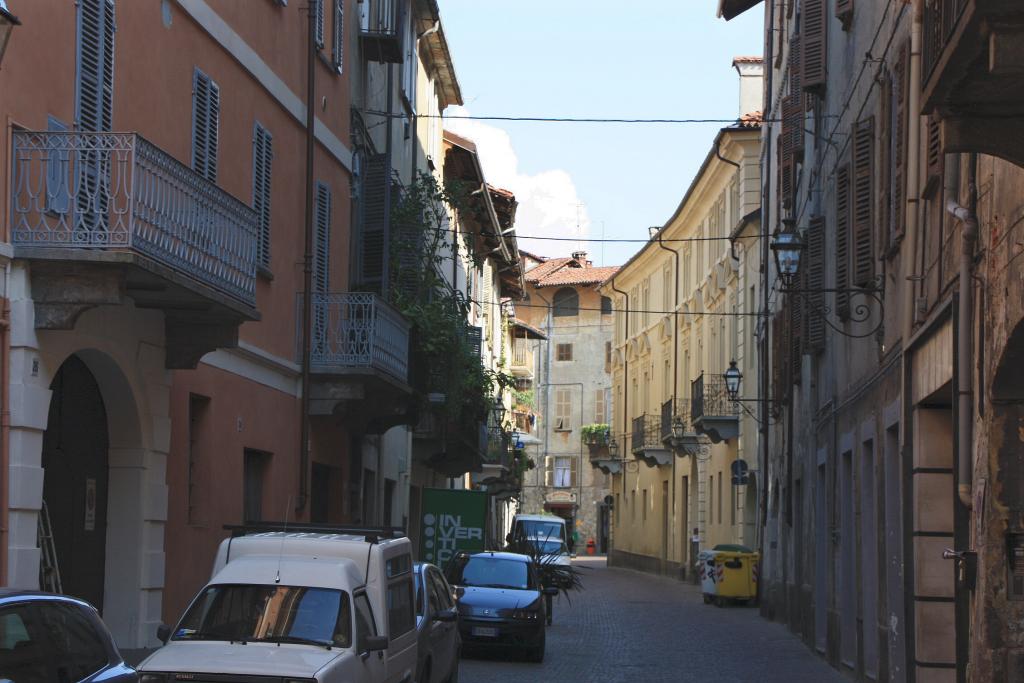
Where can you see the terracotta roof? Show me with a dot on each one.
(751, 120)
(535, 257)
(579, 276)
(541, 271)
(748, 60)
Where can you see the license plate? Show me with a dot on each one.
(485, 631)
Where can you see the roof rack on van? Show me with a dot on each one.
(372, 534)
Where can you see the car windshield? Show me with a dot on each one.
(484, 571)
(548, 547)
(273, 614)
(539, 529)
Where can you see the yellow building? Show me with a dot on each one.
(685, 307)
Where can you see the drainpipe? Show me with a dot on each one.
(968, 216)
(5, 421)
(625, 387)
(307, 265)
(675, 363)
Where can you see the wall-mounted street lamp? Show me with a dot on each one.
(733, 377)
(788, 246)
(7, 23)
(499, 413)
(613, 448)
(678, 428)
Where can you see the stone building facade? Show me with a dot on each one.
(568, 384)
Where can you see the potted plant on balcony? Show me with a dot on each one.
(596, 437)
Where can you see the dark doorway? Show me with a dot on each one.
(320, 495)
(253, 475)
(75, 480)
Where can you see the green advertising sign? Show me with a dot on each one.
(453, 520)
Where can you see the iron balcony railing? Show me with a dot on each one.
(380, 29)
(670, 412)
(940, 21)
(521, 356)
(116, 191)
(356, 331)
(646, 430)
(710, 398)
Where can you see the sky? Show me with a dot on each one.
(595, 59)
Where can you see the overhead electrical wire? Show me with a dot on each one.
(577, 119)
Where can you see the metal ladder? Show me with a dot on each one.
(49, 570)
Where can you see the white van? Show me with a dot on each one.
(548, 527)
(299, 604)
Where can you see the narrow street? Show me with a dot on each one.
(628, 626)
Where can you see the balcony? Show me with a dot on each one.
(711, 411)
(380, 34)
(600, 458)
(497, 460)
(973, 57)
(359, 359)
(452, 449)
(646, 441)
(522, 359)
(671, 411)
(102, 216)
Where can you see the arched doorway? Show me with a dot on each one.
(75, 480)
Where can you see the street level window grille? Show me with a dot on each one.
(205, 121)
(564, 352)
(566, 303)
(606, 306)
(262, 157)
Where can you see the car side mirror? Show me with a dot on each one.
(446, 615)
(375, 643)
(551, 590)
(163, 633)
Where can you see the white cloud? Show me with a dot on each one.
(549, 205)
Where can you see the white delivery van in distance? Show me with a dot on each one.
(311, 603)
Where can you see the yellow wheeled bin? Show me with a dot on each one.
(736, 571)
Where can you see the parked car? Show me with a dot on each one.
(310, 603)
(46, 637)
(438, 644)
(549, 527)
(500, 601)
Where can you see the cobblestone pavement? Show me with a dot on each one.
(629, 626)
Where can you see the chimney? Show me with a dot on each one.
(580, 256)
(751, 71)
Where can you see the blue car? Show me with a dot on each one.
(46, 637)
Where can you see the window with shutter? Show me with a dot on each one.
(372, 224)
(339, 34)
(796, 73)
(262, 157)
(900, 94)
(563, 410)
(842, 250)
(779, 356)
(844, 10)
(94, 81)
(791, 140)
(814, 35)
(205, 118)
(863, 203)
(474, 338)
(935, 159)
(814, 338)
(318, 7)
(322, 264)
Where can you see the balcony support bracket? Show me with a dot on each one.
(62, 292)
(190, 339)
(996, 136)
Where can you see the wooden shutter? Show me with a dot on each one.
(322, 265)
(373, 226)
(814, 337)
(844, 10)
(842, 224)
(779, 356)
(339, 34)
(796, 72)
(549, 470)
(574, 471)
(935, 158)
(863, 203)
(474, 339)
(900, 95)
(94, 83)
(262, 158)
(792, 118)
(205, 121)
(318, 7)
(814, 34)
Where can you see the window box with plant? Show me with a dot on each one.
(596, 436)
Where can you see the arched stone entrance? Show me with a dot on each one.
(75, 483)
